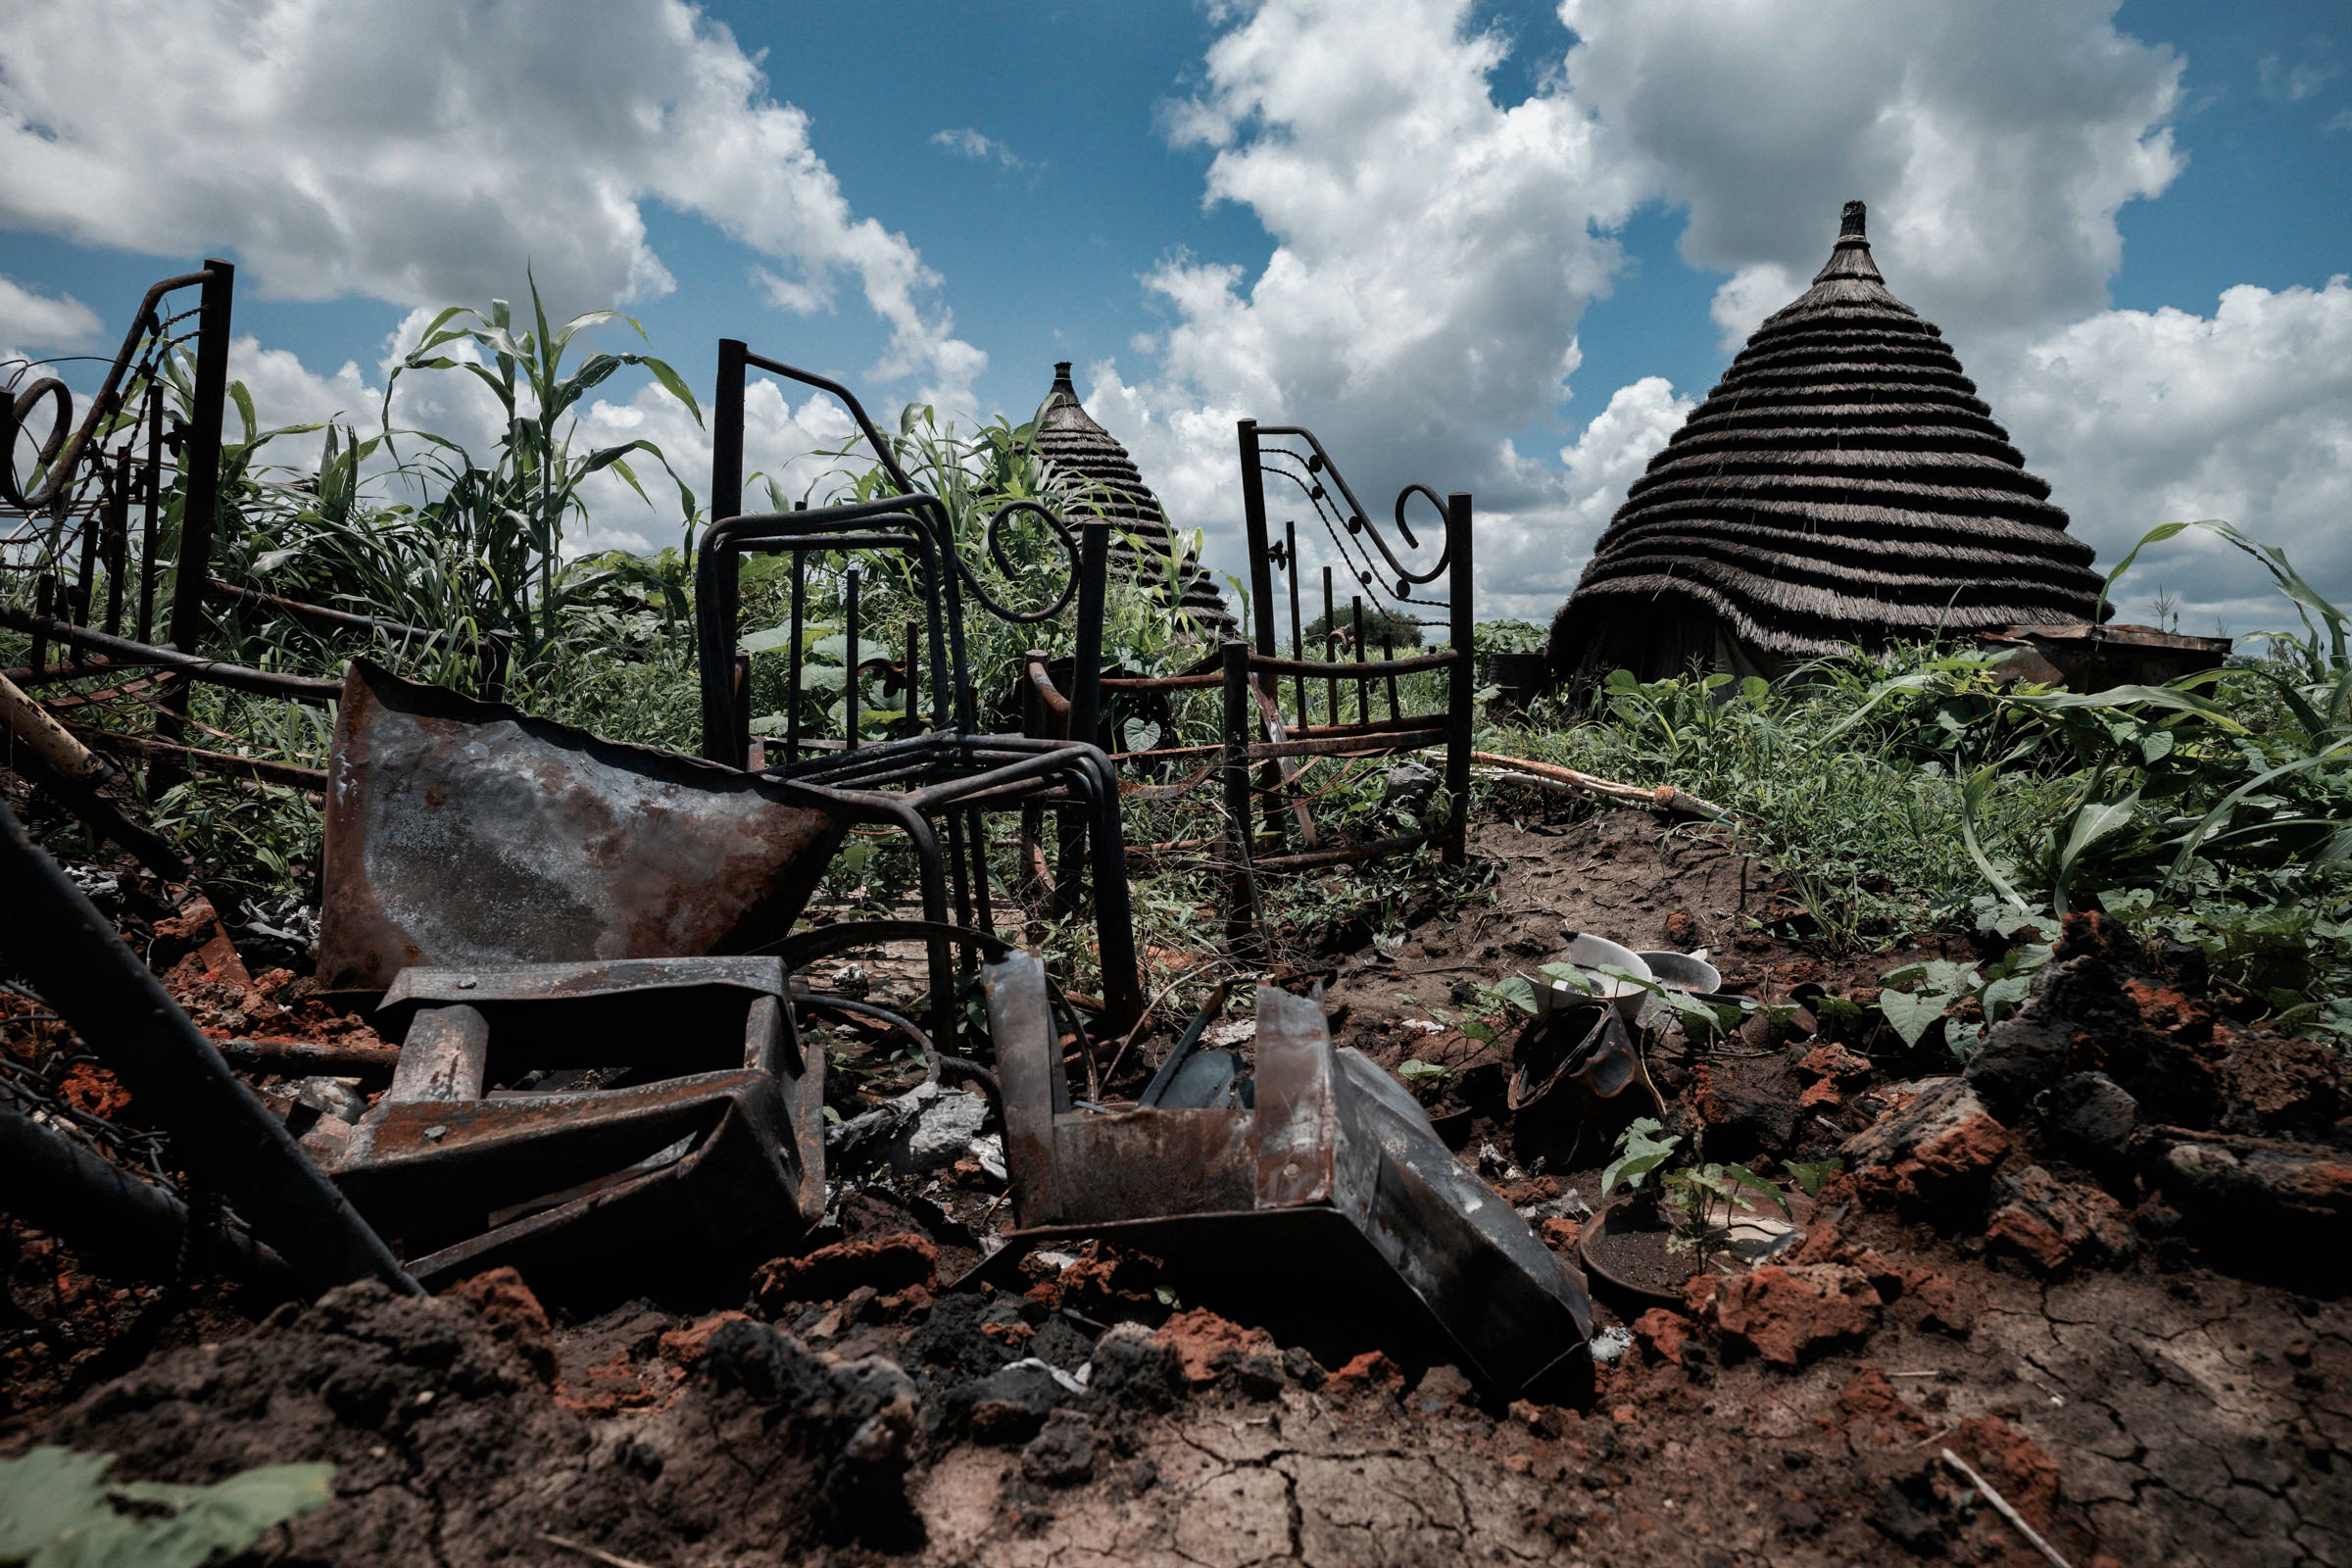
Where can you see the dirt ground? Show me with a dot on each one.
(2136, 1337)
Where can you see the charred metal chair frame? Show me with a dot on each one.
(950, 771)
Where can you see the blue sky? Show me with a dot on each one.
(1424, 226)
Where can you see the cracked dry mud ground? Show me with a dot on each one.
(2138, 1419)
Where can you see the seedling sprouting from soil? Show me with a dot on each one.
(1699, 1203)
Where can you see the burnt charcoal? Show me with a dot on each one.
(2091, 1118)
(1062, 1453)
(2078, 1014)
(953, 1344)
(1008, 1407)
(1748, 1109)
(1061, 1343)
(1133, 1367)
(853, 1418)
(1305, 1369)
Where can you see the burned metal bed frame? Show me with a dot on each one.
(105, 524)
(952, 772)
(1257, 735)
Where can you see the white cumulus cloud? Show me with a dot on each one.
(2139, 417)
(32, 322)
(422, 151)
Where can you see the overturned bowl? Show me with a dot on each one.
(1684, 971)
(1593, 954)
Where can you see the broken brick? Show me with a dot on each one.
(1207, 1344)
(2056, 1224)
(1369, 1373)
(1941, 1148)
(513, 1316)
(1790, 1313)
(885, 1262)
(1664, 1331)
(687, 1346)
(1870, 1402)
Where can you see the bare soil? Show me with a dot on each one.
(2062, 1329)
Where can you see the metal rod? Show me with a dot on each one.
(849, 700)
(743, 709)
(1363, 685)
(1085, 677)
(117, 546)
(1241, 904)
(1289, 556)
(93, 524)
(130, 1227)
(200, 495)
(1461, 687)
(914, 655)
(219, 1132)
(1253, 517)
(1387, 650)
(1331, 625)
(154, 502)
(185, 666)
(792, 672)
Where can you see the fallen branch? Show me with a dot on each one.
(1568, 781)
(2001, 1504)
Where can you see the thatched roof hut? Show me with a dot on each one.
(1080, 450)
(1842, 486)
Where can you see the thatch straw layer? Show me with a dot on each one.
(1842, 486)
(1111, 486)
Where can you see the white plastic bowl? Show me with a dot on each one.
(1684, 971)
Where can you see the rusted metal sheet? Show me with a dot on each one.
(725, 1158)
(460, 832)
(2092, 658)
(1329, 1211)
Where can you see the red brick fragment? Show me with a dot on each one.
(686, 1346)
(1665, 1333)
(1207, 1343)
(1790, 1313)
(886, 1263)
(512, 1315)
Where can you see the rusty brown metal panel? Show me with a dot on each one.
(460, 832)
(1330, 1207)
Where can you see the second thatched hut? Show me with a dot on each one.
(1105, 482)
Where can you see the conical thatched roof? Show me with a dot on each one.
(1841, 486)
(1110, 485)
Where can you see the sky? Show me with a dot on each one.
(1494, 246)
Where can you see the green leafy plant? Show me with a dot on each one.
(514, 514)
(1698, 1193)
(1999, 990)
(59, 1510)
(1640, 1151)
